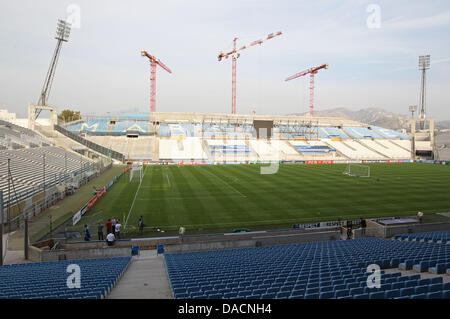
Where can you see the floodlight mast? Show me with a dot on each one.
(424, 64)
(62, 35)
(412, 109)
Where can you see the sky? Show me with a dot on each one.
(371, 47)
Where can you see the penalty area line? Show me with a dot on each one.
(134, 200)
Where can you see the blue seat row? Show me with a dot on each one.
(49, 279)
(334, 269)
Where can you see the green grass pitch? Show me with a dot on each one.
(225, 197)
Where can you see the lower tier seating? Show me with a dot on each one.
(48, 280)
(335, 269)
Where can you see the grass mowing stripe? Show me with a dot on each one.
(215, 175)
(211, 196)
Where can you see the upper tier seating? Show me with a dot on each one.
(177, 130)
(15, 137)
(104, 126)
(390, 134)
(48, 280)
(361, 132)
(329, 132)
(131, 127)
(324, 270)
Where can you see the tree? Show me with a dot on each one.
(69, 116)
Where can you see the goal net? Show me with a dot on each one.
(136, 173)
(357, 170)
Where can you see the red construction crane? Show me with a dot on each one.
(153, 62)
(311, 73)
(236, 55)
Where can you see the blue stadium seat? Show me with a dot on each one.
(376, 295)
(326, 295)
(341, 293)
(406, 291)
(421, 290)
(435, 295)
(435, 287)
(307, 269)
(398, 285)
(436, 280)
(407, 265)
(422, 266)
(390, 294)
(48, 279)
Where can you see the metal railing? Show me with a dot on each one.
(94, 146)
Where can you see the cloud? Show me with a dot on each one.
(434, 21)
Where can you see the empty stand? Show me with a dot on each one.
(15, 137)
(319, 270)
(48, 280)
(27, 168)
(312, 147)
(387, 148)
(186, 149)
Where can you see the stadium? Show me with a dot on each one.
(221, 206)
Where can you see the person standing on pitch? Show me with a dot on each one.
(108, 226)
(87, 233)
(141, 225)
(113, 225)
(118, 226)
(100, 231)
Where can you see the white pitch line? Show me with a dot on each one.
(206, 170)
(191, 197)
(167, 176)
(135, 196)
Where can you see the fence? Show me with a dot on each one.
(39, 201)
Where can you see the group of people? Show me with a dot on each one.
(362, 225)
(113, 227)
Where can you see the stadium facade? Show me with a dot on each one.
(195, 137)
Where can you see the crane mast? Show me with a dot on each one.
(153, 63)
(311, 72)
(234, 56)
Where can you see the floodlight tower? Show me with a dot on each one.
(424, 64)
(62, 35)
(412, 109)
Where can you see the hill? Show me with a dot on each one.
(373, 116)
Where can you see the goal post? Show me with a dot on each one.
(136, 173)
(357, 170)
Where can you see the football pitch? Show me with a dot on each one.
(226, 197)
